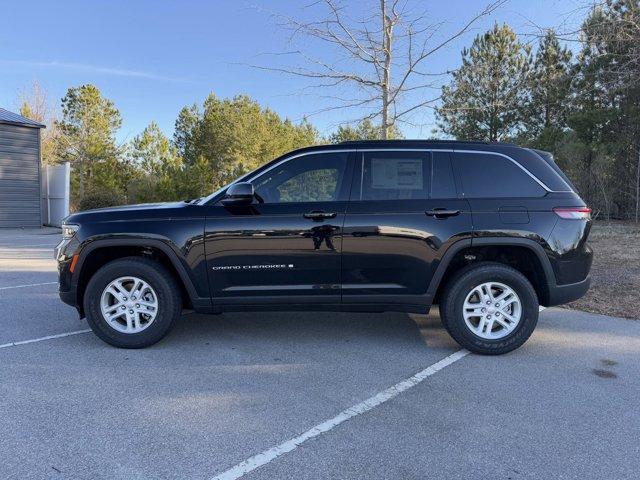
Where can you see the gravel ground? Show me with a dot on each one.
(615, 272)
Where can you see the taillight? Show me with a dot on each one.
(573, 213)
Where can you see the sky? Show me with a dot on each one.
(151, 58)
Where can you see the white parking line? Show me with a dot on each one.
(18, 247)
(42, 339)
(271, 454)
(29, 285)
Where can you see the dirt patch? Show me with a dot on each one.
(615, 274)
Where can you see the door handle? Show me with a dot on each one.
(316, 216)
(442, 213)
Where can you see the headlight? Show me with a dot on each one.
(69, 231)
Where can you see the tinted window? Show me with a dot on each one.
(489, 176)
(393, 176)
(442, 183)
(311, 178)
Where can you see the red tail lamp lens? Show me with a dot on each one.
(573, 213)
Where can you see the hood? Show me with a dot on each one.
(130, 212)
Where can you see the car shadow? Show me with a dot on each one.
(312, 329)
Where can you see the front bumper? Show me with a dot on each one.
(560, 294)
(64, 252)
(68, 297)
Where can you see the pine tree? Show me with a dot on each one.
(153, 153)
(186, 136)
(487, 97)
(87, 140)
(550, 85)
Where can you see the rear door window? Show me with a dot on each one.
(485, 175)
(392, 175)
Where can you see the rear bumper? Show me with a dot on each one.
(559, 294)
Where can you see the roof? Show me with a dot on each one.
(14, 119)
(419, 142)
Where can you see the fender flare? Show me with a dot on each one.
(183, 273)
(533, 246)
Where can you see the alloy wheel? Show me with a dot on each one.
(129, 304)
(492, 310)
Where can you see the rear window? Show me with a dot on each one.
(485, 175)
(548, 157)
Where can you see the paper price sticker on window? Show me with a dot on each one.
(396, 173)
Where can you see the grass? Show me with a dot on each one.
(615, 274)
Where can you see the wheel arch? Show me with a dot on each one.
(98, 252)
(524, 254)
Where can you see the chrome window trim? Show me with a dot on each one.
(383, 149)
(298, 155)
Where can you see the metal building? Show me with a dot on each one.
(20, 204)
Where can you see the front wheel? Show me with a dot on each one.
(132, 302)
(489, 308)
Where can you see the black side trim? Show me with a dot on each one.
(321, 307)
(444, 263)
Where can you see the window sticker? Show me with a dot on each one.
(396, 173)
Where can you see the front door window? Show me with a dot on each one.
(307, 179)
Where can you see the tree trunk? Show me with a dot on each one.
(387, 33)
(80, 180)
(638, 187)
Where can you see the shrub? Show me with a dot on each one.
(100, 199)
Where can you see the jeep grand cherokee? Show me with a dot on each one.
(487, 231)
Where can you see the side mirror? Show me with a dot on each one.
(239, 194)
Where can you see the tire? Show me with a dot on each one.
(487, 339)
(163, 292)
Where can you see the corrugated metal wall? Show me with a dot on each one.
(19, 176)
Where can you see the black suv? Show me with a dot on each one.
(488, 231)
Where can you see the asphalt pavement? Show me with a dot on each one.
(264, 395)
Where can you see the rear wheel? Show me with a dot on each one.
(489, 308)
(132, 302)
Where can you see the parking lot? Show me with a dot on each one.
(273, 395)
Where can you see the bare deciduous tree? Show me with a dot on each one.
(36, 105)
(377, 60)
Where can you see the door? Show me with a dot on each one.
(289, 241)
(403, 215)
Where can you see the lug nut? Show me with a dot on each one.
(488, 317)
(497, 304)
(133, 298)
(483, 310)
(123, 307)
(488, 302)
(131, 312)
(124, 298)
(497, 314)
(137, 305)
